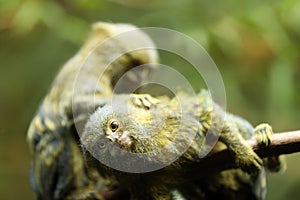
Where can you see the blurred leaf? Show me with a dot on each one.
(227, 35)
(88, 4)
(28, 15)
(73, 29)
(290, 14)
(200, 35)
(54, 14)
(8, 5)
(281, 87)
(133, 3)
(69, 27)
(265, 21)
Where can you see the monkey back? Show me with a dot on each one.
(84, 83)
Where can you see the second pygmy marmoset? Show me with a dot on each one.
(84, 83)
(162, 133)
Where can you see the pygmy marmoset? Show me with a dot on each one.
(83, 84)
(134, 132)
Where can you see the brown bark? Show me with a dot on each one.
(281, 143)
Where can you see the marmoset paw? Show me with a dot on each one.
(263, 134)
(145, 101)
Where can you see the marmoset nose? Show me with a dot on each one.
(124, 140)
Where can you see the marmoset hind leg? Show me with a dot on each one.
(245, 157)
(263, 134)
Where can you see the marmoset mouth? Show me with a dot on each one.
(123, 141)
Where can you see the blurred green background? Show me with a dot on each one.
(255, 45)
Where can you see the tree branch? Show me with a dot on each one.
(281, 143)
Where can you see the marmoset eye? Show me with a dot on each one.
(114, 125)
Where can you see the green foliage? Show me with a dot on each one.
(255, 45)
